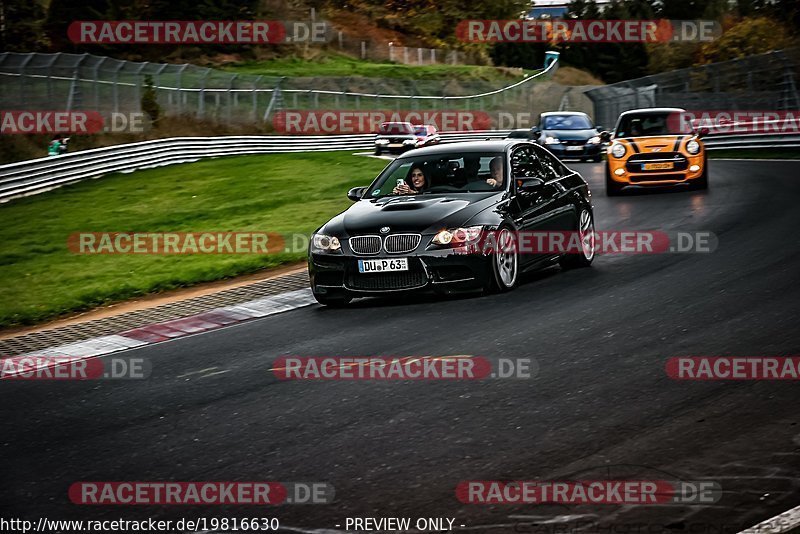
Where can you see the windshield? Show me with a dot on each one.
(519, 134)
(395, 128)
(442, 173)
(567, 122)
(646, 125)
(420, 130)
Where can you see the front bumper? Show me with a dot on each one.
(682, 172)
(569, 151)
(442, 271)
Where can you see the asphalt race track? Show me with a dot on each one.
(601, 405)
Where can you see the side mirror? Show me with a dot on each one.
(356, 193)
(536, 131)
(528, 184)
(598, 128)
(702, 132)
(605, 136)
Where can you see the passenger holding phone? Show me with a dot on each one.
(416, 185)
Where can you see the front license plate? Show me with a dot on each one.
(656, 166)
(574, 148)
(383, 266)
(395, 145)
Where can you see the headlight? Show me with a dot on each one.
(693, 147)
(551, 140)
(381, 141)
(618, 150)
(594, 140)
(325, 243)
(457, 236)
(410, 142)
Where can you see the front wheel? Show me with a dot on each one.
(377, 151)
(505, 262)
(586, 235)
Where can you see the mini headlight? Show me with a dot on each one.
(381, 141)
(594, 140)
(325, 243)
(618, 150)
(551, 140)
(457, 235)
(409, 141)
(693, 147)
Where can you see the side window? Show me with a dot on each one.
(524, 163)
(551, 167)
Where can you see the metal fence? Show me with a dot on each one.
(767, 82)
(94, 83)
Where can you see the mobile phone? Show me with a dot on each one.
(400, 182)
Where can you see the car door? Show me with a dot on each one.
(562, 209)
(534, 211)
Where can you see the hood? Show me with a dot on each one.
(663, 143)
(418, 214)
(572, 135)
(395, 136)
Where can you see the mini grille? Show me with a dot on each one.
(367, 244)
(399, 243)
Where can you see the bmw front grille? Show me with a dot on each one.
(401, 243)
(393, 244)
(365, 244)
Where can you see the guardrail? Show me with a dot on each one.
(39, 175)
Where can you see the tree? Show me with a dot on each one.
(149, 101)
(20, 25)
(749, 36)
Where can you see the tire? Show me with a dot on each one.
(505, 265)
(333, 302)
(597, 159)
(588, 244)
(377, 151)
(613, 189)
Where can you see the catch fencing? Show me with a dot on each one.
(764, 82)
(87, 82)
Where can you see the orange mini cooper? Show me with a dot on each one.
(651, 147)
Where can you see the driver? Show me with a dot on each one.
(496, 170)
(414, 186)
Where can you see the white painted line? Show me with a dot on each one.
(775, 525)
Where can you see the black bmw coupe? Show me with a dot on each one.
(410, 229)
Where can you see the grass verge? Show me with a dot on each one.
(41, 279)
(336, 65)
